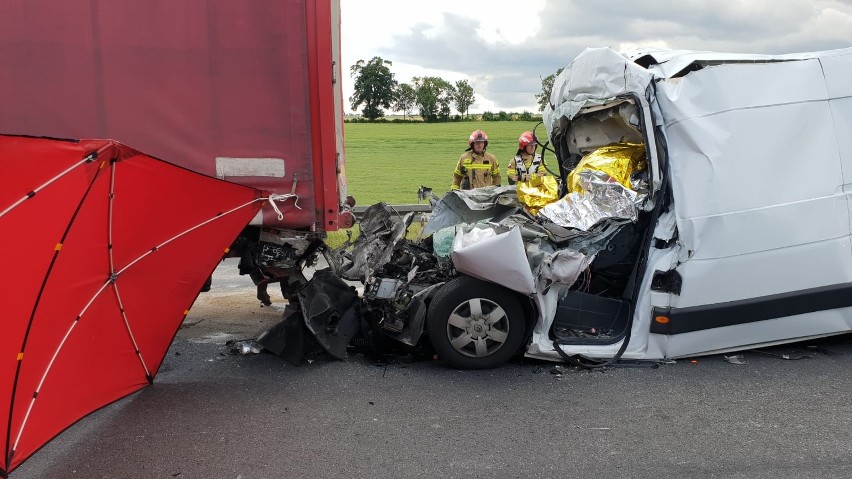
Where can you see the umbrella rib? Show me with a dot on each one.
(185, 232)
(113, 277)
(130, 331)
(109, 219)
(86, 159)
(50, 364)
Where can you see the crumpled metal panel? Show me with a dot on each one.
(671, 63)
(593, 78)
(381, 229)
(563, 266)
(500, 259)
(470, 206)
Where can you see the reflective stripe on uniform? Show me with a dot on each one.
(478, 166)
(522, 168)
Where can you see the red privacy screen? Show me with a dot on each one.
(94, 294)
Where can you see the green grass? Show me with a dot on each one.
(390, 161)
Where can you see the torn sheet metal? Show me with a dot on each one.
(674, 63)
(381, 230)
(530, 229)
(403, 317)
(666, 228)
(563, 266)
(395, 296)
(587, 242)
(470, 206)
(500, 259)
(594, 77)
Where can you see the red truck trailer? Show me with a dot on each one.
(243, 90)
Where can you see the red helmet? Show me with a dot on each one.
(527, 138)
(477, 135)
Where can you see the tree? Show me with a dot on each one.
(374, 86)
(433, 97)
(463, 96)
(543, 98)
(405, 98)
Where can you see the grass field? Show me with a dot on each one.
(390, 161)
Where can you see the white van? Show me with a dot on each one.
(746, 239)
(733, 231)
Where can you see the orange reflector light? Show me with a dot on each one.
(227, 249)
(662, 319)
(57, 247)
(185, 312)
(20, 356)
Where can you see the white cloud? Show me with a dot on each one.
(504, 47)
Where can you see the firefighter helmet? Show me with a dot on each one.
(477, 135)
(527, 138)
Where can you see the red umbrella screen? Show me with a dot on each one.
(106, 250)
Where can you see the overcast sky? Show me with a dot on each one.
(504, 47)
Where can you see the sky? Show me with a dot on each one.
(504, 48)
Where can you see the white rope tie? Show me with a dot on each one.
(282, 198)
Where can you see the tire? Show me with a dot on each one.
(474, 324)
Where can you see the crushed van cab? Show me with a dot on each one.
(702, 207)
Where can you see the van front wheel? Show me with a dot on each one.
(473, 324)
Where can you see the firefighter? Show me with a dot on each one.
(525, 163)
(476, 168)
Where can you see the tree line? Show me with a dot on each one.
(434, 98)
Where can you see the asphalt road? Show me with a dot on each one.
(213, 414)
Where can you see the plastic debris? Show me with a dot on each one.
(821, 350)
(735, 359)
(243, 348)
(784, 356)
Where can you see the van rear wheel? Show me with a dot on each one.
(474, 324)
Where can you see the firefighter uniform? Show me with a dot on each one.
(525, 164)
(476, 170)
